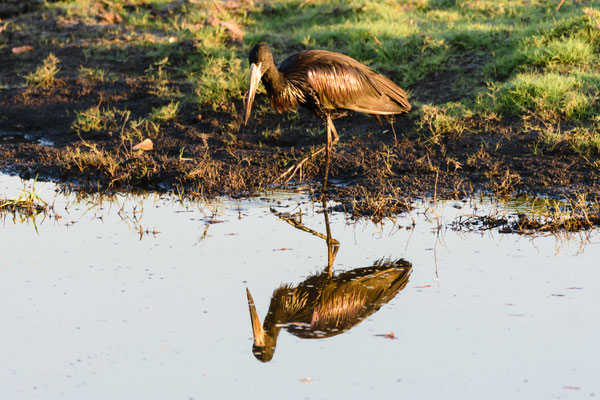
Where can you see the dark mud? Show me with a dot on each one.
(205, 152)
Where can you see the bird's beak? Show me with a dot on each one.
(257, 330)
(255, 75)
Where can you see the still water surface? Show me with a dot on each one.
(93, 308)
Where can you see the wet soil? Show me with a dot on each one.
(207, 152)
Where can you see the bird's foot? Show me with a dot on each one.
(289, 173)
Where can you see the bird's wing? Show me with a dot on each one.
(341, 82)
(359, 293)
(353, 296)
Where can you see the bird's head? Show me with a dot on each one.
(264, 344)
(260, 57)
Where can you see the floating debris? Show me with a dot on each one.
(387, 335)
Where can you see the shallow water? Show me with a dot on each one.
(19, 137)
(95, 309)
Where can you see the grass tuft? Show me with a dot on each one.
(437, 121)
(96, 119)
(165, 113)
(564, 51)
(45, 74)
(219, 81)
(28, 203)
(549, 97)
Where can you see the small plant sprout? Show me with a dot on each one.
(165, 113)
(45, 74)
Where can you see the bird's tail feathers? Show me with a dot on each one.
(393, 91)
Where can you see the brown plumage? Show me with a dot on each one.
(325, 304)
(330, 82)
(326, 83)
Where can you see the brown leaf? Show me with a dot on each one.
(235, 32)
(112, 18)
(212, 21)
(145, 144)
(22, 49)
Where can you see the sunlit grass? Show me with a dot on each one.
(96, 118)
(45, 74)
(564, 51)
(519, 60)
(165, 113)
(28, 202)
(118, 122)
(550, 96)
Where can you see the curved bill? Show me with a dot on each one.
(255, 75)
(257, 330)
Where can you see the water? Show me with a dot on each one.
(19, 137)
(94, 309)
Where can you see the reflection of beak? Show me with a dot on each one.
(257, 329)
(255, 75)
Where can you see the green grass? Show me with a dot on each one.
(165, 113)
(581, 140)
(120, 123)
(96, 75)
(548, 96)
(28, 202)
(562, 51)
(513, 60)
(45, 74)
(98, 118)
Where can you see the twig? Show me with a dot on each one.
(384, 52)
(305, 2)
(589, 12)
(435, 187)
(219, 8)
(559, 5)
(291, 171)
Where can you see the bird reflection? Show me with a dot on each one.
(326, 304)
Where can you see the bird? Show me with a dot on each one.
(323, 306)
(327, 83)
(326, 304)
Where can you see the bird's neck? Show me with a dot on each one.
(273, 80)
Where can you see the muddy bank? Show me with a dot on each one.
(198, 156)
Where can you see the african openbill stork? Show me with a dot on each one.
(326, 304)
(327, 83)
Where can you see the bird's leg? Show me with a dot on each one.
(336, 137)
(332, 138)
(390, 119)
(332, 245)
(289, 173)
(327, 153)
